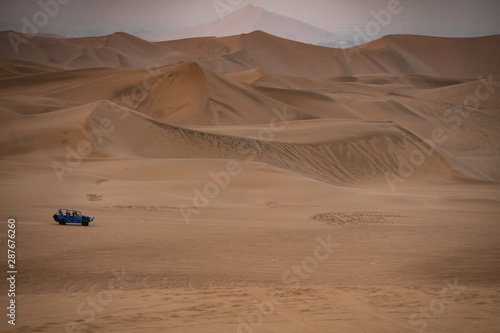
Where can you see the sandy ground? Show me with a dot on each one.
(322, 260)
(231, 197)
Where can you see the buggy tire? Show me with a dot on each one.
(85, 223)
(62, 222)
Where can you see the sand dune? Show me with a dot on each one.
(188, 94)
(216, 168)
(403, 54)
(391, 54)
(338, 152)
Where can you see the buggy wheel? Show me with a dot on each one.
(62, 222)
(85, 223)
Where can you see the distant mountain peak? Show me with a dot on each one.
(250, 6)
(251, 18)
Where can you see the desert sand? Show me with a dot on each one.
(252, 184)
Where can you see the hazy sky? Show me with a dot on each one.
(91, 17)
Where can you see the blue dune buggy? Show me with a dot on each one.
(64, 216)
